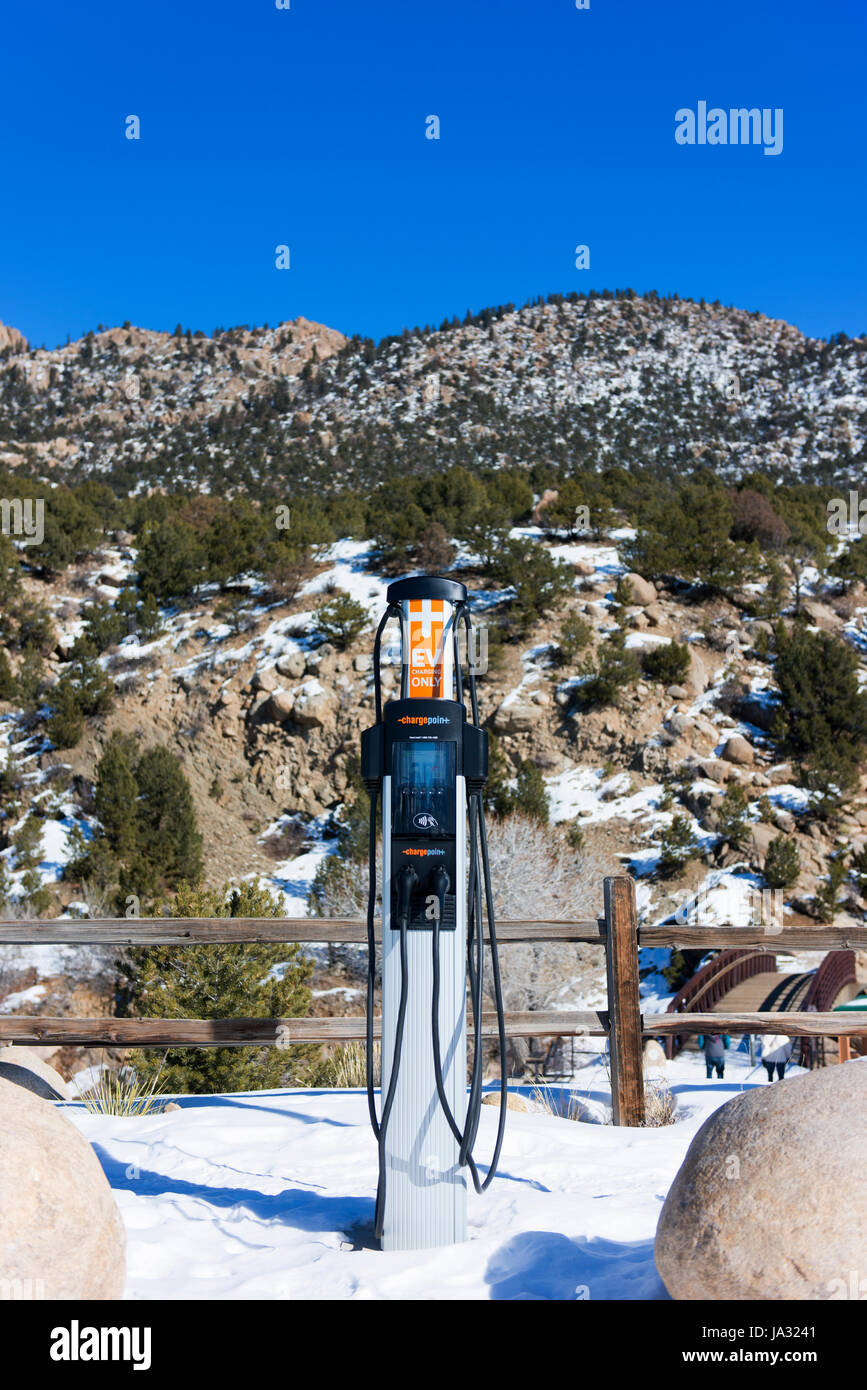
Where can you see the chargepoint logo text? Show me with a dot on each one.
(23, 519)
(737, 126)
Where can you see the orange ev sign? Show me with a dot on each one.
(427, 624)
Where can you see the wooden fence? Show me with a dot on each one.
(617, 932)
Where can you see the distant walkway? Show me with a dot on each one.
(748, 981)
(770, 992)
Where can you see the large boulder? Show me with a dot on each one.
(23, 1067)
(643, 592)
(760, 837)
(696, 679)
(771, 1199)
(820, 614)
(280, 706)
(654, 1056)
(516, 715)
(265, 679)
(738, 750)
(292, 664)
(61, 1235)
(513, 1100)
(315, 705)
(549, 496)
(714, 769)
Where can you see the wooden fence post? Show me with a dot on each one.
(624, 1009)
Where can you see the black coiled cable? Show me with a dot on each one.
(380, 1127)
(478, 852)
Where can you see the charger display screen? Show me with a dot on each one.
(423, 787)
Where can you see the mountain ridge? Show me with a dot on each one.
(574, 381)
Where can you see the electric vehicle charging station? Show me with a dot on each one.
(427, 764)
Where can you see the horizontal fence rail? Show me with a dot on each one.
(287, 1032)
(176, 931)
(262, 1032)
(782, 940)
(180, 931)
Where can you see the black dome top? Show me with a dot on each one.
(422, 586)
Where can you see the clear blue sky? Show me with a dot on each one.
(306, 127)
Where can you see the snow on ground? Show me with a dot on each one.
(271, 1195)
(348, 570)
(293, 877)
(589, 792)
(21, 999)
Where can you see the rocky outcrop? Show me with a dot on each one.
(11, 338)
(519, 713)
(771, 1199)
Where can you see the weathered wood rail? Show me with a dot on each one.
(617, 932)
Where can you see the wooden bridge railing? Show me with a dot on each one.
(834, 972)
(617, 931)
(715, 979)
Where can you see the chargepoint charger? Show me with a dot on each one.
(426, 763)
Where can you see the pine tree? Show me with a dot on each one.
(687, 535)
(616, 668)
(782, 863)
(822, 723)
(116, 795)
(171, 560)
(5, 885)
(827, 897)
(851, 566)
(224, 980)
(540, 581)
(340, 620)
(528, 797)
(169, 845)
(147, 840)
(565, 513)
(29, 681)
(668, 663)
(732, 815)
(575, 635)
(27, 842)
(678, 846)
(7, 680)
(10, 575)
(66, 723)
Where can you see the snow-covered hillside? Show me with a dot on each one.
(601, 378)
